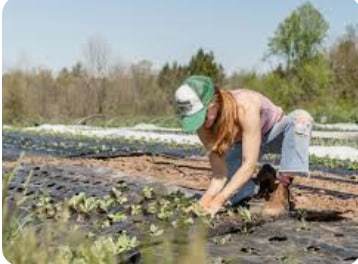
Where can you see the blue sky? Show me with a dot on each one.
(52, 33)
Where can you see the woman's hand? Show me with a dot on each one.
(208, 205)
(215, 205)
(205, 200)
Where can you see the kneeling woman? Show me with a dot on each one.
(237, 127)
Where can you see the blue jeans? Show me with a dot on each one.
(289, 137)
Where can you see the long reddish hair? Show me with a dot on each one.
(226, 126)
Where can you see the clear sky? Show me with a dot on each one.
(52, 33)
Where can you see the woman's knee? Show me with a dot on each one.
(302, 122)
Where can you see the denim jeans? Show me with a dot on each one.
(289, 137)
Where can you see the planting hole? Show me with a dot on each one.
(313, 248)
(252, 251)
(339, 235)
(278, 238)
(51, 184)
(29, 193)
(351, 258)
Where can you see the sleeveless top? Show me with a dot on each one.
(269, 113)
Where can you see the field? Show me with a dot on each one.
(77, 198)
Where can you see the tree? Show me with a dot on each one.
(170, 77)
(204, 64)
(344, 61)
(299, 37)
(13, 101)
(96, 53)
(303, 75)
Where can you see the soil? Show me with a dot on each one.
(323, 230)
(320, 191)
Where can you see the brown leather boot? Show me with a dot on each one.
(279, 202)
(266, 179)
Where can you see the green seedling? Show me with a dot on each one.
(122, 186)
(164, 203)
(62, 212)
(105, 223)
(222, 240)
(195, 209)
(153, 207)
(125, 243)
(44, 207)
(246, 215)
(136, 209)
(118, 195)
(188, 221)
(148, 192)
(230, 212)
(155, 231)
(117, 217)
(87, 205)
(248, 220)
(164, 213)
(104, 204)
(76, 200)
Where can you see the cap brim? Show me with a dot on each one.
(194, 122)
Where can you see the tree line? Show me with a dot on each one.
(306, 75)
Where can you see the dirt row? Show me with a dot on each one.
(320, 191)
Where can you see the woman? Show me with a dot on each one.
(237, 127)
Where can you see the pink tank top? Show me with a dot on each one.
(270, 113)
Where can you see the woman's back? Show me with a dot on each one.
(269, 113)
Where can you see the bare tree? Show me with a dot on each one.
(96, 56)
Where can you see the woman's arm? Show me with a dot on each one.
(218, 167)
(219, 174)
(251, 142)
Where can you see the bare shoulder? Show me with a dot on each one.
(248, 101)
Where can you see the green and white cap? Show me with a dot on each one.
(192, 99)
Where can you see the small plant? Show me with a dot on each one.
(188, 221)
(87, 205)
(248, 220)
(155, 231)
(152, 207)
(136, 209)
(245, 215)
(105, 223)
(164, 213)
(44, 207)
(117, 217)
(126, 243)
(104, 204)
(122, 186)
(76, 200)
(222, 240)
(148, 192)
(118, 195)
